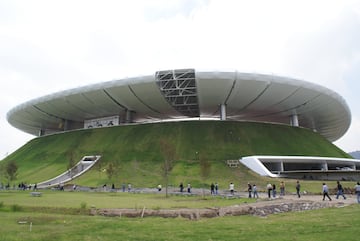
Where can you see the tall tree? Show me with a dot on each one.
(112, 170)
(205, 168)
(168, 152)
(71, 163)
(2, 172)
(11, 170)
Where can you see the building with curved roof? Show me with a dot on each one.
(187, 93)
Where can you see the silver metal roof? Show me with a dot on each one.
(189, 93)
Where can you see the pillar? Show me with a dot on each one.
(294, 121)
(324, 166)
(41, 132)
(66, 125)
(129, 115)
(222, 112)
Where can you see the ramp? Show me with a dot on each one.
(80, 168)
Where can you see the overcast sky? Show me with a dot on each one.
(49, 46)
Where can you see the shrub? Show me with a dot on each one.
(83, 205)
(15, 208)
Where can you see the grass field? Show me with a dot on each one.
(19, 222)
(112, 200)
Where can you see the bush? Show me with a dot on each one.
(83, 205)
(15, 208)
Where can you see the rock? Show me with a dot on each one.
(257, 209)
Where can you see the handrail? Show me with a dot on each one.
(85, 164)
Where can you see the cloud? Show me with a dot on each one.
(326, 55)
(48, 46)
(350, 141)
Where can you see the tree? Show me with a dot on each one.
(111, 170)
(71, 163)
(2, 172)
(205, 168)
(11, 170)
(168, 151)
(99, 165)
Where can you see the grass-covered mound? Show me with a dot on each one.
(134, 151)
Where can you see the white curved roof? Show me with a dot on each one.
(189, 93)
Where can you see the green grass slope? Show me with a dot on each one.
(134, 151)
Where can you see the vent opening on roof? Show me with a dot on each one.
(179, 89)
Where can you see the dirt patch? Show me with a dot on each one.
(260, 208)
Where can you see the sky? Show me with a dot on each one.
(50, 46)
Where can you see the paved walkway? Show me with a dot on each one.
(350, 199)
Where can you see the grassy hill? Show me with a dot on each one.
(134, 151)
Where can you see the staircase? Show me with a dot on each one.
(233, 163)
(80, 168)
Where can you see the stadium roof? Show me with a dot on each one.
(184, 93)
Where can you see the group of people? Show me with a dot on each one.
(214, 188)
(24, 186)
(251, 188)
(181, 186)
(339, 191)
(272, 191)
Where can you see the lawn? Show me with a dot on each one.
(24, 217)
(325, 224)
(57, 199)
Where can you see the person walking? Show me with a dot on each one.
(298, 188)
(340, 191)
(189, 188)
(249, 189)
(181, 187)
(282, 188)
(212, 189)
(357, 191)
(325, 191)
(274, 191)
(254, 189)
(231, 188)
(216, 188)
(269, 188)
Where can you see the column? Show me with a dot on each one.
(222, 112)
(129, 115)
(324, 166)
(66, 125)
(281, 166)
(294, 121)
(41, 132)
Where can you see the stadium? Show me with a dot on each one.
(188, 95)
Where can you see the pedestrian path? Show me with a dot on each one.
(80, 168)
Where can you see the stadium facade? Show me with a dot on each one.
(187, 93)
